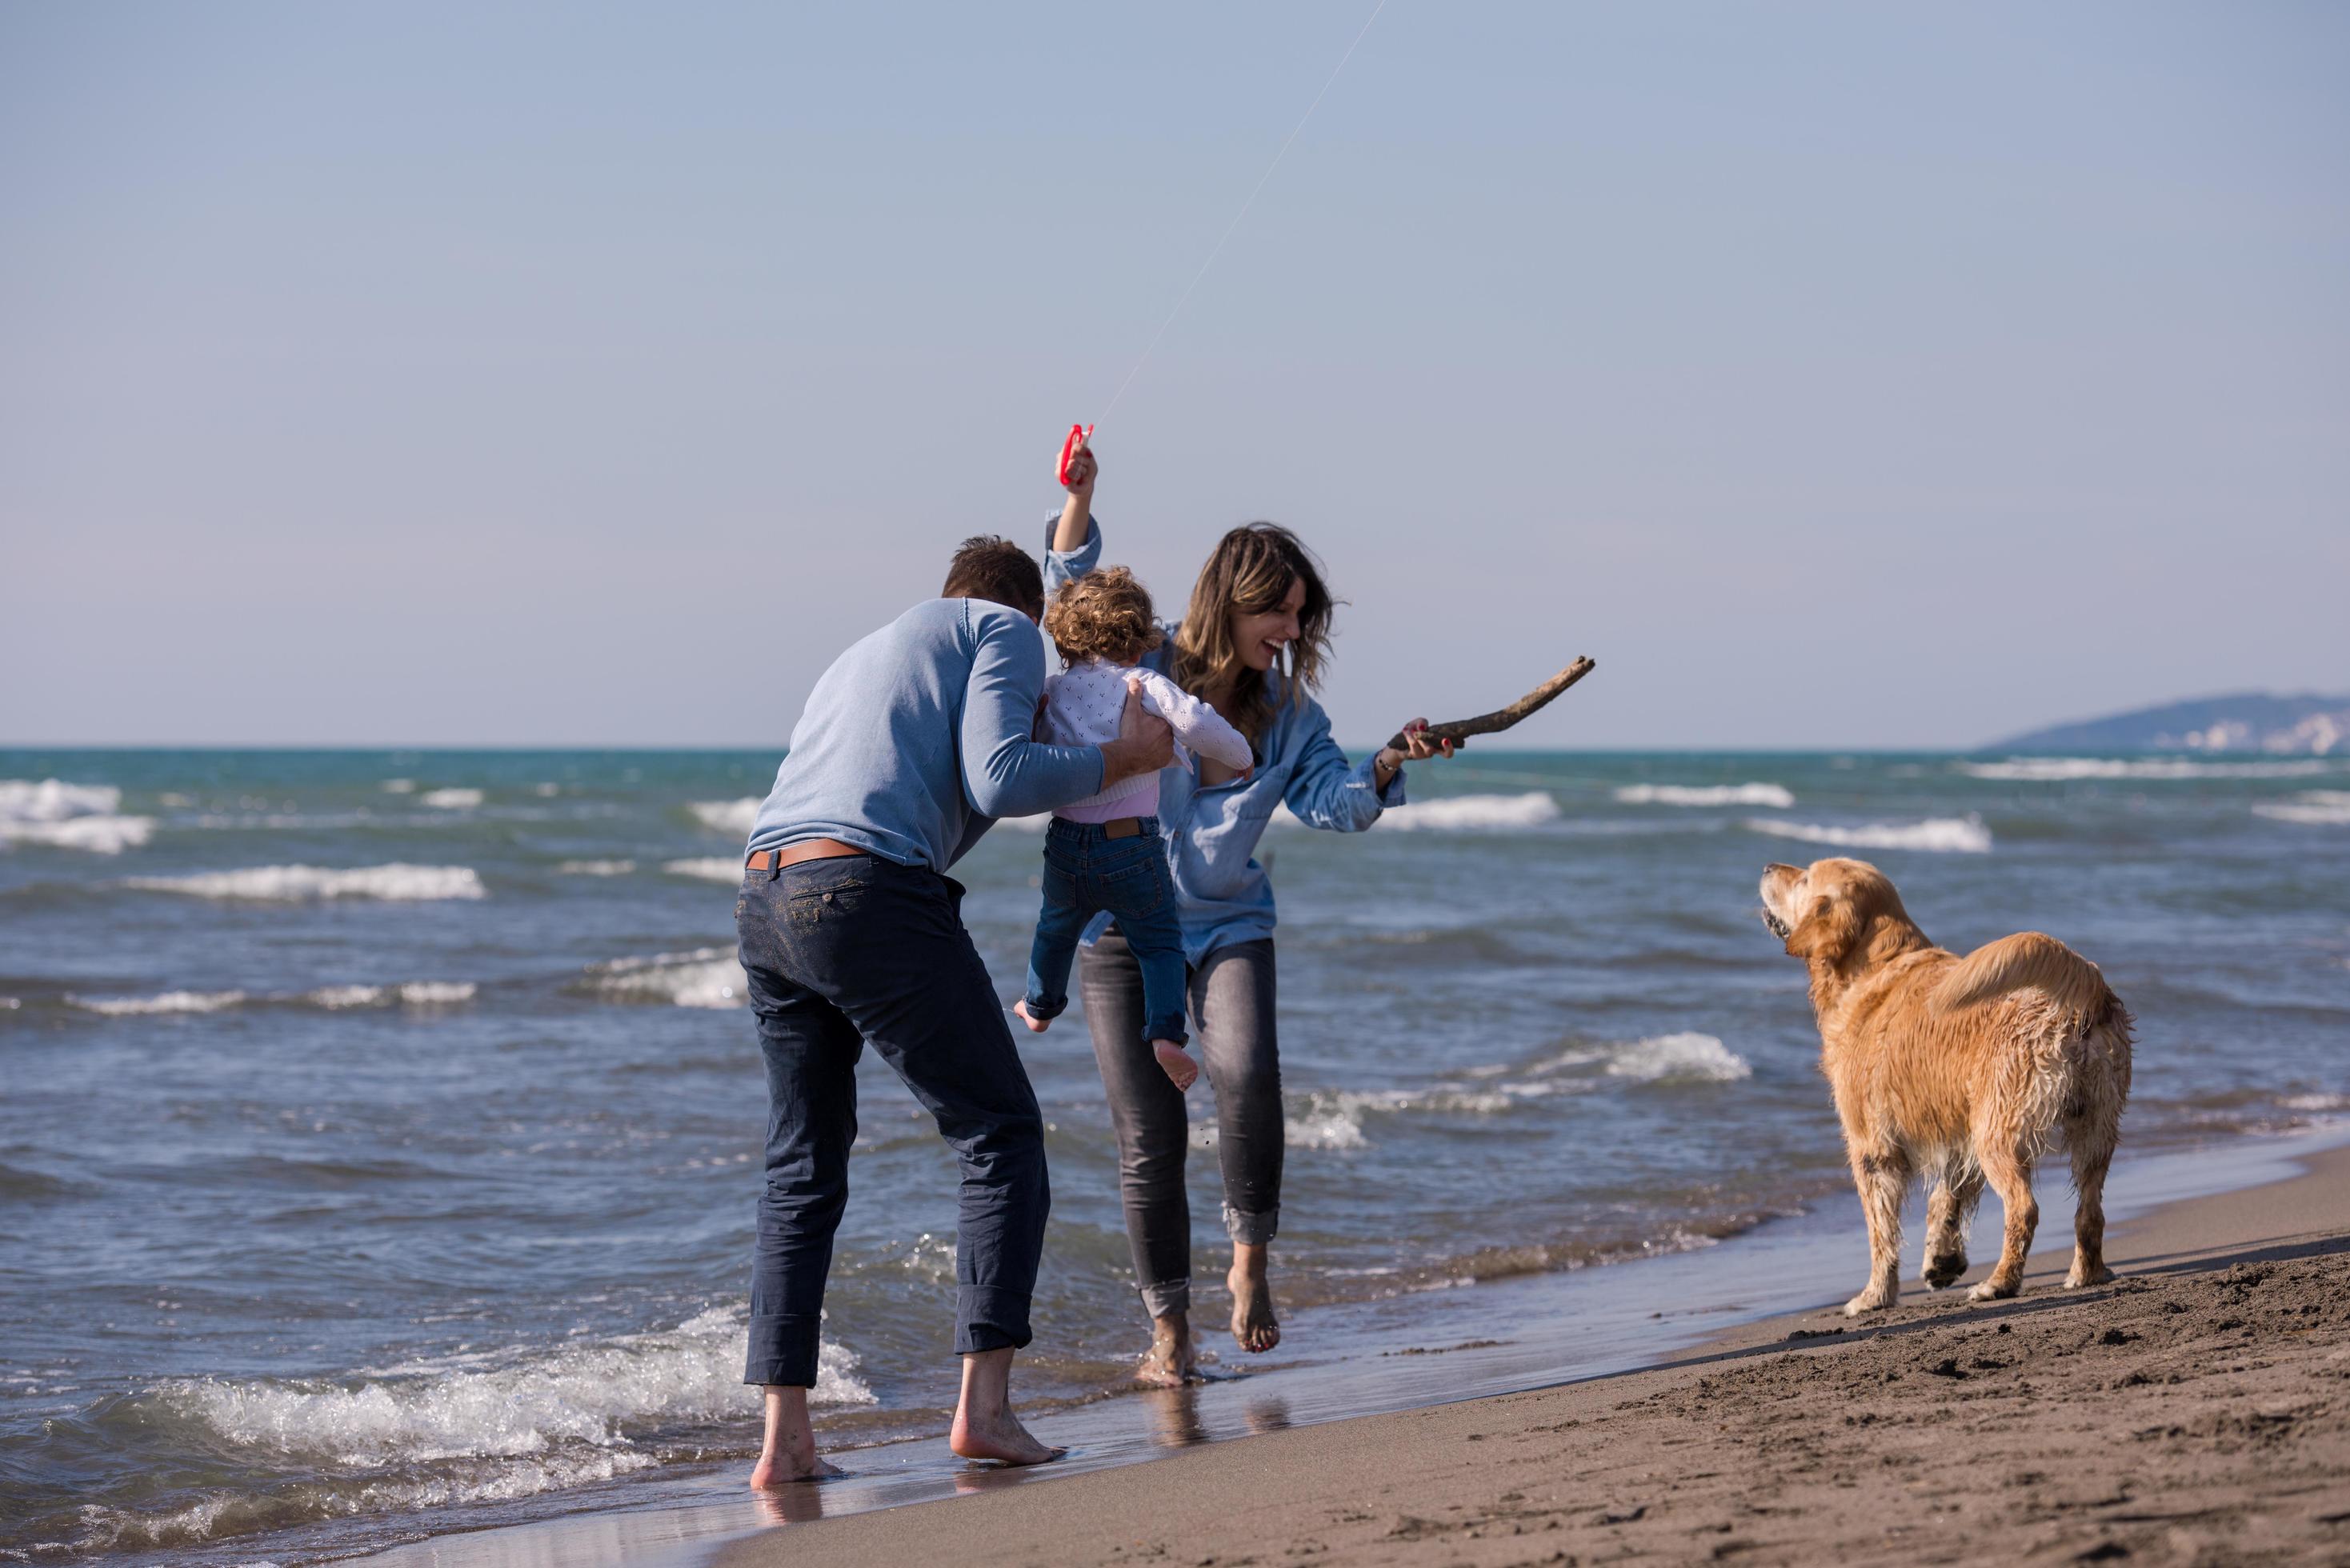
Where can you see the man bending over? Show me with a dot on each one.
(911, 745)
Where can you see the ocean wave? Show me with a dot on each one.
(1686, 1055)
(705, 977)
(732, 818)
(450, 799)
(594, 1394)
(1341, 1118)
(64, 815)
(399, 786)
(595, 868)
(397, 882)
(435, 1433)
(169, 1002)
(421, 994)
(1752, 793)
(1472, 812)
(2059, 769)
(707, 868)
(2312, 808)
(1940, 835)
(424, 994)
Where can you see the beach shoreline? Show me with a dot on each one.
(1622, 1329)
(2196, 1408)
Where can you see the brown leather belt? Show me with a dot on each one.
(805, 850)
(1121, 828)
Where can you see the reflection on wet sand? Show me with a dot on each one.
(797, 1502)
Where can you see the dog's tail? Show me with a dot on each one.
(2027, 961)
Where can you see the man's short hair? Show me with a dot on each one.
(989, 566)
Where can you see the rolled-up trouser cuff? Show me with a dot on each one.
(1167, 1297)
(990, 1319)
(1256, 1230)
(784, 1351)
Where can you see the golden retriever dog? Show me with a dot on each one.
(1967, 1070)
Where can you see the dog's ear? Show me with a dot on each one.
(1827, 933)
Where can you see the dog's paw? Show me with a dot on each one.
(1869, 1299)
(2079, 1279)
(1943, 1269)
(1991, 1290)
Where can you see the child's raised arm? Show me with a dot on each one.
(1076, 513)
(1196, 724)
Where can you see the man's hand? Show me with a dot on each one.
(1077, 511)
(1145, 742)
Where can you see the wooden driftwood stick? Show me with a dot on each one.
(1501, 718)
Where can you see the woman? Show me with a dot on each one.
(1260, 597)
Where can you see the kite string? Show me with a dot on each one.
(1236, 223)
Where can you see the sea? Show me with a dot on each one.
(379, 1135)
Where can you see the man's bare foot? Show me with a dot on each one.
(1253, 1325)
(1177, 1061)
(984, 1426)
(780, 1469)
(1001, 1437)
(1035, 1025)
(1170, 1362)
(787, 1450)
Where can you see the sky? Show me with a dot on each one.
(1835, 375)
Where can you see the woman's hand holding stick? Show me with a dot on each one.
(1445, 737)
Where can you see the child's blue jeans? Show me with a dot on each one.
(1086, 872)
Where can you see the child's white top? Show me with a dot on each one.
(1082, 705)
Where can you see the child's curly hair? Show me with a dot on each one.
(1102, 615)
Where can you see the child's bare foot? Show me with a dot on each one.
(1174, 1059)
(1035, 1025)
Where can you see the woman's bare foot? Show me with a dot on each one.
(1177, 1061)
(984, 1426)
(1170, 1362)
(1035, 1025)
(787, 1451)
(1253, 1325)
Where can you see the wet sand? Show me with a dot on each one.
(2196, 1409)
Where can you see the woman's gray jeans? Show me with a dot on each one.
(1231, 1000)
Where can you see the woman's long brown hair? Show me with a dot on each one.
(1250, 571)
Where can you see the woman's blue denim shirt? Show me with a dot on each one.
(1222, 895)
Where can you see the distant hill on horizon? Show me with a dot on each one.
(2261, 722)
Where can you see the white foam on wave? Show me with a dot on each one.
(169, 1002)
(1684, 1055)
(707, 868)
(2311, 808)
(1937, 835)
(2059, 769)
(705, 977)
(1336, 1118)
(399, 786)
(64, 815)
(1756, 792)
(397, 882)
(421, 994)
(1472, 812)
(601, 1395)
(595, 868)
(450, 799)
(728, 817)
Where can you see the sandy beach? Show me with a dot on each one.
(2197, 1410)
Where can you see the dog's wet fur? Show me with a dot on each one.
(1967, 1071)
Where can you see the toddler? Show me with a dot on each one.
(1104, 853)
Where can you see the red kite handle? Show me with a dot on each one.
(1078, 436)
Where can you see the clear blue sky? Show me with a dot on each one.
(1837, 374)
